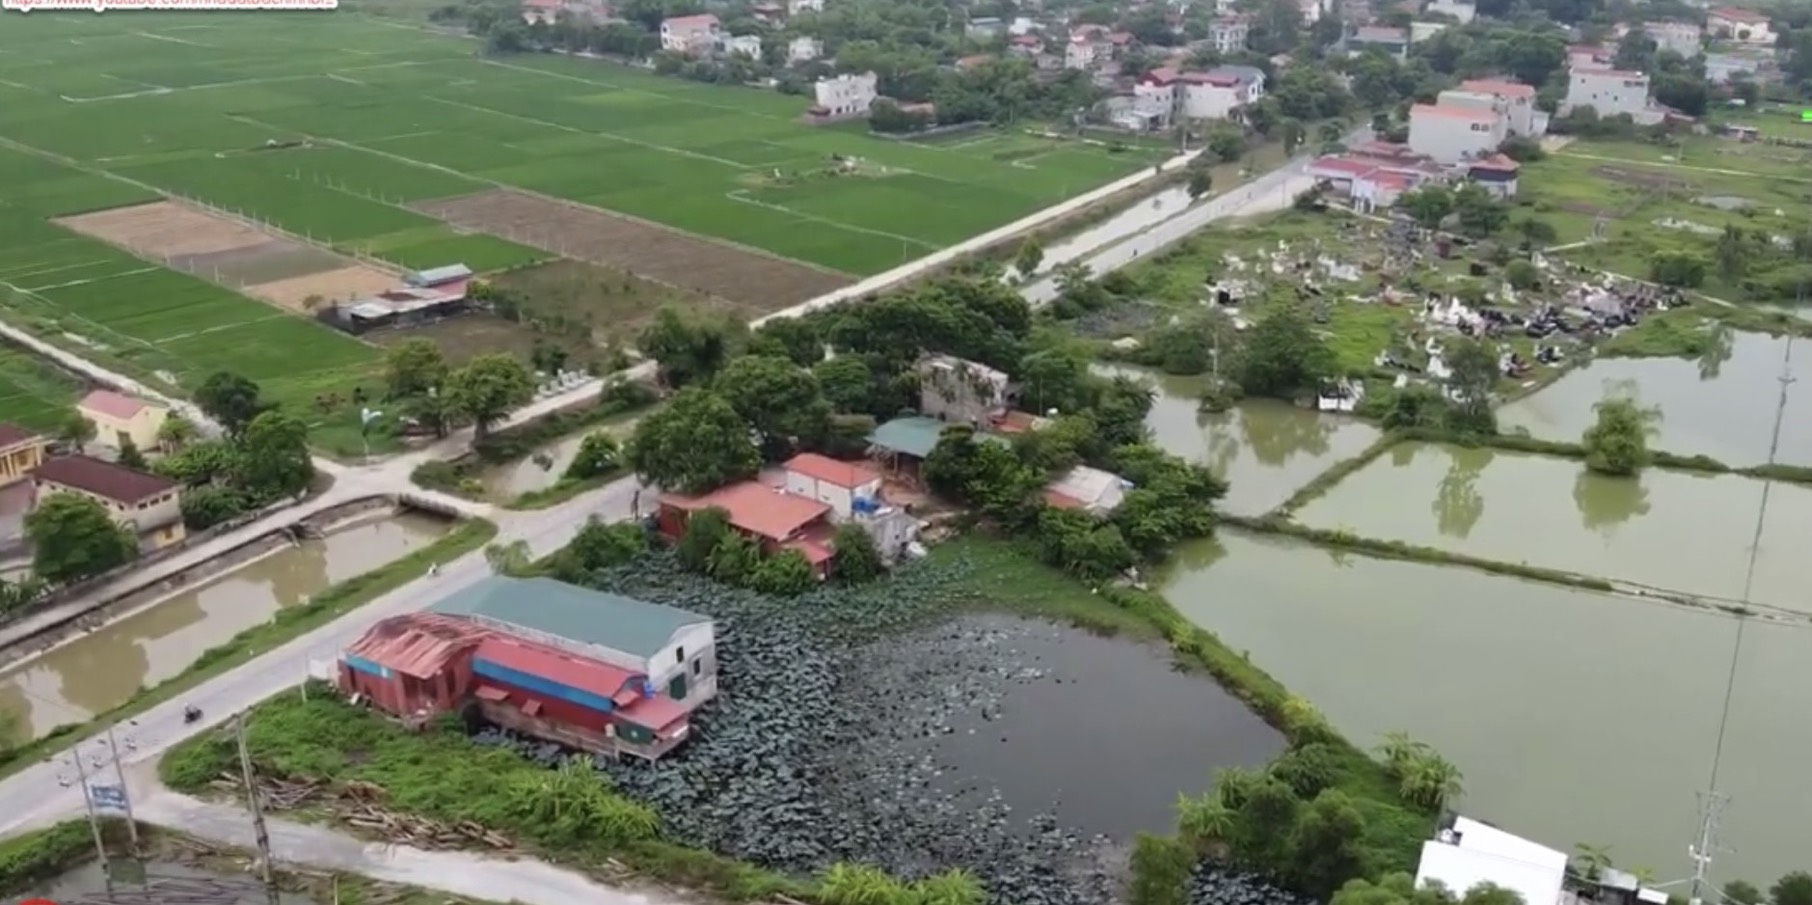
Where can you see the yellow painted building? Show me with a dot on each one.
(150, 504)
(118, 418)
(21, 451)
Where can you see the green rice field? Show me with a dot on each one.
(32, 393)
(188, 102)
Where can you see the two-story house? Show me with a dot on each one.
(691, 35)
(1517, 104)
(843, 96)
(1218, 94)
(1744, 26)
(743, 46)
(1228, 34)
(803, 50)
(1447, 134)
(151, 505)
(961, 391)
(119, 419)
(1612, 92)
(1684, 38)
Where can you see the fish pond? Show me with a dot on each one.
(1679, 531)
(543, 467)
(898, 725)
(1724, 409)
(1576, 717)
(1265, 449)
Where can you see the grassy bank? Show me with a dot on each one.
(31, 858)
(1008, 577)
(289, 623)
(569, 818)
(1687, 333)
(1335, 473)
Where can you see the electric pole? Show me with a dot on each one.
(261, 835)
(119, 773)
(94, 820)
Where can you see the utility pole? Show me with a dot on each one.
(94, 820)
(261, 835)
(1711, 808)
(119, 773)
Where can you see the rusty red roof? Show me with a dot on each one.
(555, 665)
(115, 405)
(762, 511)
(1739, 15)
(659, 713)
(103, 479)
(1346, 166)
(848, 475)
(1062, 500)
(13, 435)
(1497, 162)
(417, 644)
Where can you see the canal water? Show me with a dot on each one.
(509, 480)
(100, 670)
(1576, 717)
(1099, 731)
(156, 881)
(1725, 412)
(1265, 449)
(1680, 531)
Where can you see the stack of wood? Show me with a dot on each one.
(360, 804)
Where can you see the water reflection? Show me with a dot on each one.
(1458, 504)
(1606, 502)
(1679, 531)
(100, 670)
(1721, 404)
(1575, 716)
(1264, 449)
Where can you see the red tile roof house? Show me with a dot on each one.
(772, 517)
(150, 504)
(589, 670)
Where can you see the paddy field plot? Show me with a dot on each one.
(344, 129)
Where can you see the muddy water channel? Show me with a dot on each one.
(1680, 531)
(1724, 411)
(1576, 717)
(543, 468)
(1265, 449)
(100, 670)
(1041, 708)
(136, 881)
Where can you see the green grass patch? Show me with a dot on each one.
(288, 624)
(31, 858)
(34, 393)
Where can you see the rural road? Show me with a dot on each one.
(1124, 238)
(460, 873)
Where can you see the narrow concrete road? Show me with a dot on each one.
(458, 873)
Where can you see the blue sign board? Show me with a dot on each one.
(108, 798)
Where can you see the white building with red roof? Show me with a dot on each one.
(691, 35)
(1612, 92)
(1744, 26)
(1448, 134)
(1515, 99)
(839, 485)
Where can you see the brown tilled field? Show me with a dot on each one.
(339, 285)
(755, 282)
(164, 229)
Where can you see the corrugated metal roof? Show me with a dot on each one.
(416, 644)
(558, 667)
(657, 712)
(916, 435)
(103, 479)
(848, 475)
(633, 627)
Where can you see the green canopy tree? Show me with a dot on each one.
(696, 444)
(779, 399)
(76, 430)
(1283, 356)
(271, 460)
(414, 367)
(73, 537)
(232, 400)
(1617, 442)
(487, 389)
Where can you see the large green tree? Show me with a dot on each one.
(1473, 373)
(74, 537)
(1283, 356)
(781, 400)
(1617, 442)
(271, 460)
(232, 400)
(414, 367)
(696, 444)
(487, 389)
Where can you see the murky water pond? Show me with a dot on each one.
(1676, 530)
(1266, 450)
(147, 882)
(510, 480)
(99, 671)
(1098, 731)
(1726, 413)
(1576, 717)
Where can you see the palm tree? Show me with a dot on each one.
(1589, 861)
(1205, 822)
(1431, 781)
(1399, 752)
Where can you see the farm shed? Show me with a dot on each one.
(594, 671)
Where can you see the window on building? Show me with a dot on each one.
(698, 666)
(679, 656)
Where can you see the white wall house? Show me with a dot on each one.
(803, 50)
(1228, 35)
(850, 94)
(1520, 115)
(1463, 10)
(1219, 93)
(1470, 853)
(1612, 92)
(1741, 25)
(961, 391)
(1448, 134)
(1084, 53)
(836, 484)
(743, 45)
(795, 7)
(691, 35)
(1683, 38)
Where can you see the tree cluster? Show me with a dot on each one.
(711, 546)
(1401, 889)
(262, 458)
(429, 391)
(1617, 442)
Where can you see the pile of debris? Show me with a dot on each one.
(359, 805)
